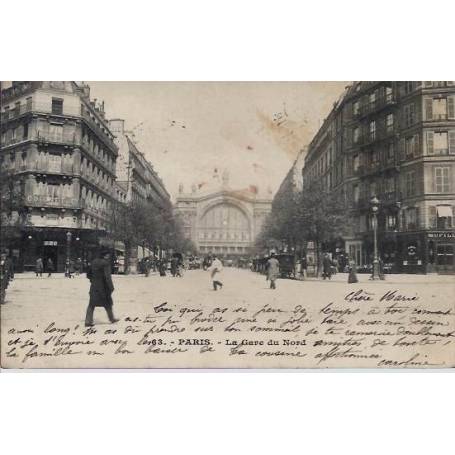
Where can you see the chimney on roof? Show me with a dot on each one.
(86, 89)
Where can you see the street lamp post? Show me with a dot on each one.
(374, 208)
(68, 254)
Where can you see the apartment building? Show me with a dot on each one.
(57, 146)
(395, 141)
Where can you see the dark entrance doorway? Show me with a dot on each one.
(445, 258)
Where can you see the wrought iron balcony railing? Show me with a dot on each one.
(45, 108)
(51, 201)
(376, 106)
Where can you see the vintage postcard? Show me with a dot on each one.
(227, 224)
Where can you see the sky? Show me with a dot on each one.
(193, 131)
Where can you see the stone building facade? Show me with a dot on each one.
(395, 141)
(221, 220)
(139, 180)
(57, 146)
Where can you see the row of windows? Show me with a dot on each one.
(204, 235)
(97, 149)
(441, 181)
(437, 143)
(435, 108)
(57, 133)
(384, 188)
(226, 249)
(410, 86)
(94, 200)
(92, 171)
(56, 108)
(387, 186)
(440, 108)
(411, 218)
(371, 100)
(55, 162)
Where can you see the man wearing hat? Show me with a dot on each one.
(101, 287)
(273, 270)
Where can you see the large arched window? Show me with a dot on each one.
(224, 222)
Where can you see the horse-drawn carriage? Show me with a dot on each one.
(287, 265)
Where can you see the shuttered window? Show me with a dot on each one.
(429, 108)
(451, 107)
(430, 143)
(451, 142)
(409, 146)
(432, 217)
(410, 184)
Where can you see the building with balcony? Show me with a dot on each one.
(57, 146)
(395, 141)
(221, 220)
(134, 171)
(138, 179)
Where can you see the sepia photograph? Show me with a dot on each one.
(227, 224)
(227, 227)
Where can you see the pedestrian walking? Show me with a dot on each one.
(352, 277)
(101, 287)
(326, 267)
(39, 267)
(147, 266)
(304, 267)
(216, 270)
(12, 266)
(273, 270)
(69, 269)
(5, 276)
(78, 266)
(49, 267)
(162, 265)
(381, 269)
(180, 268)
(174, 265)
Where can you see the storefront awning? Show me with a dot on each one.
(444, 211)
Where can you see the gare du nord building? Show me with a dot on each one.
(57, 146)
(394, 141)
(221, 220)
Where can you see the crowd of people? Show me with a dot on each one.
(291, 267)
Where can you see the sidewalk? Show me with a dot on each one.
(337, 278)
(390, 278)
(59, 275)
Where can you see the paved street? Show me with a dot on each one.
(36, 302)
(31, 299)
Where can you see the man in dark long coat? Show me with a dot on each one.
(326, 267)
(101, 288)
(49, 267)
